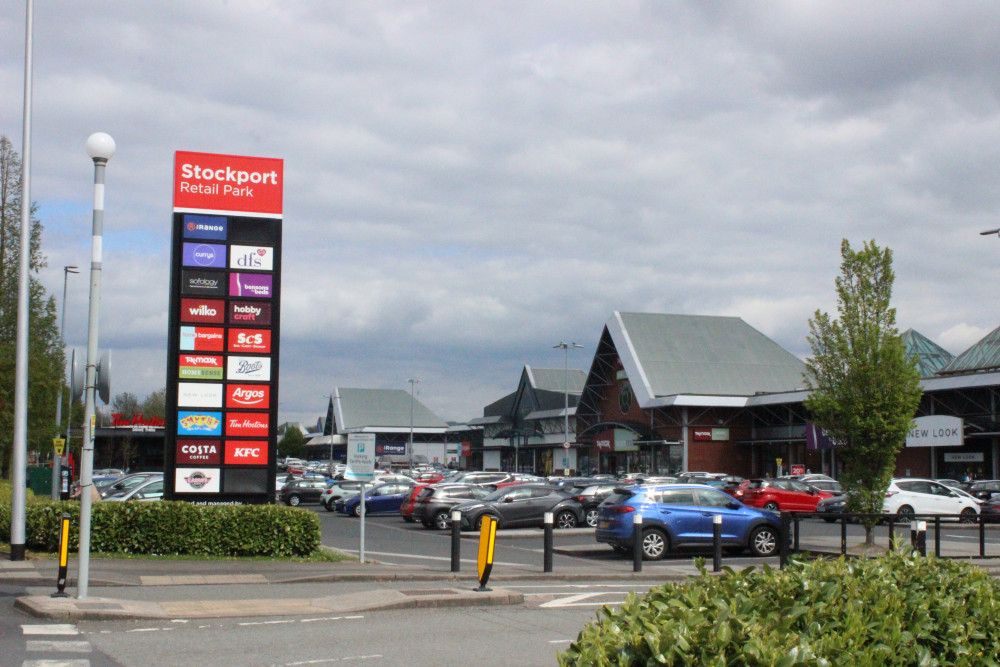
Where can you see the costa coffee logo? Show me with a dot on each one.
(250, 340)
(248, 312)
(246, 452)
(247, 423)
(203, 310)
(248, 396)
(198, 452)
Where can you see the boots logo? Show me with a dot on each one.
(253, 258)
(256, 369)
(203, 310)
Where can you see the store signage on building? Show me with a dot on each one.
(390, 449)
(710, 434)
(936, 431)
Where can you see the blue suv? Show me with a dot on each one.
(682, 515)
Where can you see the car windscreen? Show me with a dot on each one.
(618, 496)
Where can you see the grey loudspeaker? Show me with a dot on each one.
(104, 376)
(76, 377)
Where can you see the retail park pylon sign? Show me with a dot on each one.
(225, 275)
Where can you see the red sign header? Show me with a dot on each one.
(228, 183)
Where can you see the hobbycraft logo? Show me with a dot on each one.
(248, 396)
(247, 423)
(228, 183)
(203, 310)
(254, 258)
(248, 312)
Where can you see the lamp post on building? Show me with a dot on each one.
(62, 342)
(100, 148)
(409, 450)
(566, 347)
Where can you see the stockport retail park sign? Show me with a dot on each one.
(225, 287)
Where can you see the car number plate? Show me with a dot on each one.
(603, 524)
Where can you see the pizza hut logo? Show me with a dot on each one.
(198, 480)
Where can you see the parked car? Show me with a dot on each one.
(305, 490)
(342, 488)
(523, 505)
(910, 496)
(783, 495)
(591, 496)
(149, 490)
(406, 509)
(433, 504)
(119, 486)
(984, 489)
(833, 505)
(380, 499)
(675, 515)
(481, 477)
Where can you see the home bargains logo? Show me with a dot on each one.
(248, 396)
(196, 480)
(201, 339)
(250, 340)
(204, 255)
(205, 227)
(229, 183)
(203, 283)
(247, 423)
(246, 452)
(256, 369)
(199, 452)
(253, 258)
(248, 312)
(254, 285)
(200, 367)
(210, 311)
(199, 423)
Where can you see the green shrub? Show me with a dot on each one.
(894, 610)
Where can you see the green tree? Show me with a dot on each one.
(865, 390)
(292, 444)
(154, 405)
(46, 360)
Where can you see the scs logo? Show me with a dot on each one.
(246, 452)
(250, 340)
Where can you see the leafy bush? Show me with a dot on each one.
(171, 528)
(894, 610)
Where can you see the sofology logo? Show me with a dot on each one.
(203, 283)
(205, 227)
(204, 255)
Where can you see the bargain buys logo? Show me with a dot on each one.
(248, 396)
(199, 395)
(210, 311)
(196, 480)
(250, 340)
(204, 254)
(205, 227)
(248, 312)
(228, 183)
(247, 423)
(246, 452)
(252, 258)
(202, 339)
(252, 285)
(199, 423)
(198, 452)
(257, 369)
(203, 283)
(200, 367)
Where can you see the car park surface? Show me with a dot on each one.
(338, 490)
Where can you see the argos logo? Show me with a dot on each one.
(248, 396)
(250, 340)
(246, 452)
(203, 310)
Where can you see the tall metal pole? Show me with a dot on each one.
(62, 343)
(565, 347)
(20, 444)
(100, 147)
(409, 449)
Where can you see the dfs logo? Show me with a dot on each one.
(252, 257)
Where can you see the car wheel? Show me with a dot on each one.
(764, 541)
(329, 507)
(771, 505)
(591, 517)
(905, 511)
(357, 510)
(479, 521)
(293, 501)
(442, 521)
(566, 519)
(654, 544)
(969, 515)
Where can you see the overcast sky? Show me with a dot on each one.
(469, 183)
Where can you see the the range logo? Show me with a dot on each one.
(196, 480)
(250, 285)
(203, 283)
(250, 340)
(200, 367)
(251, 258)
(204, 255)
(248, 312)
(199, 423)
(209, 311)
(248, 396)
(205, 227)
(199, 452)
(247, 423)
(199, 395)
(257, 369)
(207, 339)
(246, 452)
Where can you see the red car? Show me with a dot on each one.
(406, 509)
(782, 495)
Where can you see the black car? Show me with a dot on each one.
(833, 505)
(434, 503)
(591, 496)
(303, 491)
(523, 505)
(985, 489)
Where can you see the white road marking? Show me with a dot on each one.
(352, 658)
(578, 601)
(50, 629)
(58, 646)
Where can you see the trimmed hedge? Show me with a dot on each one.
(170, 528)
(898, 609)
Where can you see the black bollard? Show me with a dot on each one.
(547, 547)
(456, 541)
(637, 543)
(717, 543)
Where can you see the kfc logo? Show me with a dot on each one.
(246, 452)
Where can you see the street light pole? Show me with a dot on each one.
(62, 342)
(100, 148)
(409, 450)
(566, 347)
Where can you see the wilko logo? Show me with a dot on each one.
(228, 183)
(199, 395)
(248, 312)
(246, 452)
(199, 423)
(210, 311)
(205, 227)
(250, 340)
(196, 480)
(199, 452)
(203, 283)
(249, 368)
(248, 396)
(204, 255)
(247, 423)
(202, 339)
(250, 285)
(253, 258)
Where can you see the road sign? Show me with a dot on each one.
(566, 445)
(360, 457)
(487, 540)
(60, 445)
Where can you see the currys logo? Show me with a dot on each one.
(248, 396)
(250, 285)
(205, 227)
(205, 255)
(254, 258)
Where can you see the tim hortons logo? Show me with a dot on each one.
(246, 423)
(119, 420)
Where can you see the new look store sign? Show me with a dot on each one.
(936, 431)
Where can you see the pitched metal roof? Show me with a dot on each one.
(930, 356)
(555, 379)
(357, 409)
(983, 356)
(669, 355)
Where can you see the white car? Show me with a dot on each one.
(909, 496)
(150, 489)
